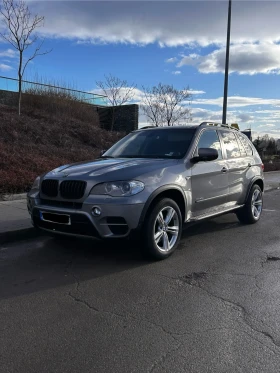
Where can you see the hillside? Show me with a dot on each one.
(37, 142)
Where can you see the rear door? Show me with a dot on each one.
(246, 145)
(238, 164)
(209, 180)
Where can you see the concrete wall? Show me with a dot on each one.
(8, 98)
(126, 117)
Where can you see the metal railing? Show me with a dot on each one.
(41, 89)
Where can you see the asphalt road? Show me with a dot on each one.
(272, 179)
(80, 306)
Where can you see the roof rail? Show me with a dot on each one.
(218, 125)
(143, 128)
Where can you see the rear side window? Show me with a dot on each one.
(245, 143)
(241, 147)
(210, 139)
(231, 144)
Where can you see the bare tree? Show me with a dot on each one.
(151, 106)
(118, 93)
(166, 105)
(20, 31)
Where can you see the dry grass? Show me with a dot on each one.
(58, 103)
(38, 141)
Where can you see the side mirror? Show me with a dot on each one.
(102, 152)
(205, 155)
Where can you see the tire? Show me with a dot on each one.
(167, 239)
(251, 212)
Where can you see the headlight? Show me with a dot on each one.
(118, 188)
(36, 184)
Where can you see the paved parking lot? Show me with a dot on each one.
(83, 306)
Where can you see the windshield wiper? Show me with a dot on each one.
(143, 156)
(107, 156)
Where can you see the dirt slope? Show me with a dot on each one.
(37, 142)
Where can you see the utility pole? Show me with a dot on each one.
(227, 65)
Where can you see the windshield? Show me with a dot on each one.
(155, 143)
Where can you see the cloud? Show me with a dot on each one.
(4, 63)
(177, 72)
(137, 98)
(238, 101)
(10, 53)
(267, 125)
(171, 60)
(205, 115)
(139, 94)
(266, 120)
(245, 118)
(4, 67)
(248, 59)
(194, 23)
(194, 92)
(270, 132)
(270, 111)
(234, 116)
(258, 124)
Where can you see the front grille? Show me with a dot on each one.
(65, 204)
(50, 187)
(72, 189)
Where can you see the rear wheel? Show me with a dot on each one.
(163, 229)
(252, 210)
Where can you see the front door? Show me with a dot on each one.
(209, 180)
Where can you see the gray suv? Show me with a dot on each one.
(152, 182)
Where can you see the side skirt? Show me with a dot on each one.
(212, 215)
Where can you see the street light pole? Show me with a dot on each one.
(227, 65)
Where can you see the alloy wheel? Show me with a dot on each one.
(166, 229)
(256, 204)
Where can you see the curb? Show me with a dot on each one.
(18, 235)
(271, 188)
(271, 172)
(13, 197)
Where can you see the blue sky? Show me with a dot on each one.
(180, 43)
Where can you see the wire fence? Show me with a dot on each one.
(41, 89)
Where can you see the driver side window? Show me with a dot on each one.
(210, 139)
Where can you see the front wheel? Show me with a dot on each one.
(163, 229)
(251, 212)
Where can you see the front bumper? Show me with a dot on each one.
(116, 220)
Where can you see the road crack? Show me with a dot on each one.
(246, 316)
(163, 358)
(194, 280)
(79, 299)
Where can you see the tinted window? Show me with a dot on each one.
(245, 142)
(231, 144)
(210, 139)
(153, 143)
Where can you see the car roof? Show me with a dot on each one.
(154, 128)
(190, 126)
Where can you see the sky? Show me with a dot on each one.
(172, 42)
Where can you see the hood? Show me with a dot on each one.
(110, 166)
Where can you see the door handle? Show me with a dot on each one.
(224, 170)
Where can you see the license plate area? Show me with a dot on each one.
(51, 217)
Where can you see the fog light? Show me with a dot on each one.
(96, 211)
